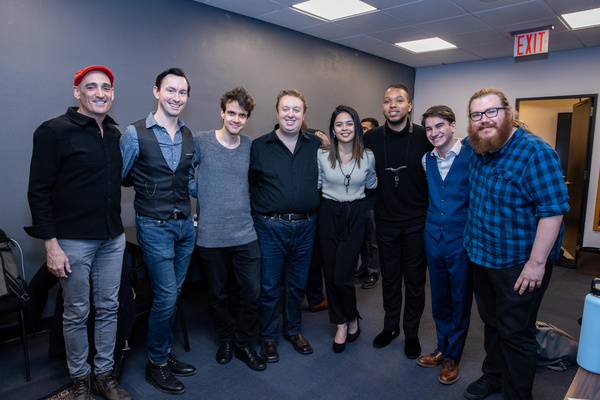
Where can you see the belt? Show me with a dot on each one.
(290, 216)
(174, 216)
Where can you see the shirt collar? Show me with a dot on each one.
(272, 136)
(150, 121)
(455, 149)
(518, 133)
(82, 119)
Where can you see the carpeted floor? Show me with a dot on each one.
(360, 372)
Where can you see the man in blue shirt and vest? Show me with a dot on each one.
(513, 235)
(450, 276)
(157, 160)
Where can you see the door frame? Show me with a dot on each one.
(588, 156)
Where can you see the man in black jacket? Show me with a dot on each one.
(75, 201)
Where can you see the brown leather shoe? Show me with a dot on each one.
(300, 344)
(322, 306)
(268, 351)
(431, 360)
(449, 372)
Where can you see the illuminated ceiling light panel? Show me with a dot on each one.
(582, 19)
(426, 45)
(332, 10)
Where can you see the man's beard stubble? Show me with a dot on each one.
(391, 124)
(493, 144)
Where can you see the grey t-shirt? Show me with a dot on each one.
(224, 216)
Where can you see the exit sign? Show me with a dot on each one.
(530, 43)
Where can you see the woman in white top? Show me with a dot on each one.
(345, 170)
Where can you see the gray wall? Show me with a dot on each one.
(44, 42)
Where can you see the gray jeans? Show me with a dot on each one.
(97, 263)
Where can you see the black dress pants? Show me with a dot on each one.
(402, 259)
(244, 262)
(509, 330)
(341, 230)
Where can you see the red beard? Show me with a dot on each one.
(492, 144)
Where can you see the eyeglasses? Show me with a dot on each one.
(490, 113)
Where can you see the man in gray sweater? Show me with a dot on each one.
(226, 240)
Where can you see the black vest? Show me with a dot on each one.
(159, 190)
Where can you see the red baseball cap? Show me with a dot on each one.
(81, 73)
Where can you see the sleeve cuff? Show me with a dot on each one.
(43, 231)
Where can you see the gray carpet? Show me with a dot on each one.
(360, 372)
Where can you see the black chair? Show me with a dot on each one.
(13, 300)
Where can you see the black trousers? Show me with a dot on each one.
(509, 330)
(402, 259)
(341, 230)
(244, 262)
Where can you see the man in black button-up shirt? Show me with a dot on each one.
(75, 201)
(283, 184)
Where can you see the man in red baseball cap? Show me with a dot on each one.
(75, 201)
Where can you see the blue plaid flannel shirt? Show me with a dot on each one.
(510, 191)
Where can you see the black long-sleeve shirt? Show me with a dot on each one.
(405, 204)
(282, 182)
(75, 179)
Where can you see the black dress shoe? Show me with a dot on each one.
(482, 388)
(268, 351)
(179, 368)
(225, 352)
(351, 337)
(385, 338)
(412, 347)
(300, 344)
(162, 379)
(248, 355)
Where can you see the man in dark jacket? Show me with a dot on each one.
(75, 201)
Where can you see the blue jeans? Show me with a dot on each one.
(167, 248)
(99, 262)
(286, 248)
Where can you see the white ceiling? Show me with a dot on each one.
(480, 28)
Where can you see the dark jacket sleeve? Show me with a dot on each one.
(45, 162)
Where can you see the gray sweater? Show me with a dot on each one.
(331, 180)
(224, 217)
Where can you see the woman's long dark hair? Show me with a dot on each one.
(358, 147)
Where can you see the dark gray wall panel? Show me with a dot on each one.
(44, 42)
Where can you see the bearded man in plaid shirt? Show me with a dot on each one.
(513, 235)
